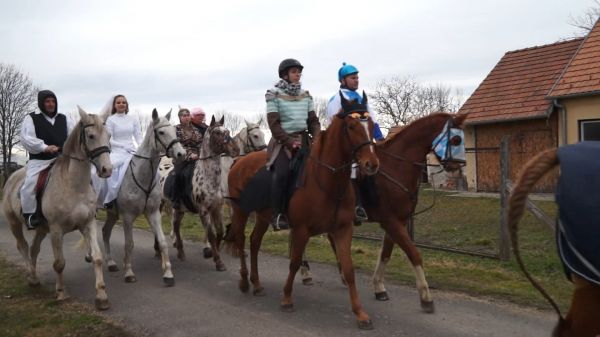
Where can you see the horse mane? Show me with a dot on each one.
(416, 123)
(70, 146)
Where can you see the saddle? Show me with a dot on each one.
(578, 199)
(256, 195)
(178, 186)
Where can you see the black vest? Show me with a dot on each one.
(51, 134)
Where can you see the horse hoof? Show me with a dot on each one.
(102, 304)
(113, 268)
(427, 306)
(34, 283)
(169, 281)
(220, 267)
(288, 307)
(88, 259)
(365, 325)
(308, 281)
(259, 292)
(382, 296)
(207, 253)
(181, 256)
(130, 279)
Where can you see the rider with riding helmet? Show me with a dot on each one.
(348, 78)
(290, 115)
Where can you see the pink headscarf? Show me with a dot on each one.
(197, 111)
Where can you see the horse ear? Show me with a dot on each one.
(82, 113)
(364, 100)
(154, 115)
(168, 115)
(222, 121)
(247, 124)
(212, 120)
(460, 119)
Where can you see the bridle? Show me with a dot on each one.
(90, 154)
(249, 145)
(226, 139)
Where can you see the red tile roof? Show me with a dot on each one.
(517, 86)
(582, 74)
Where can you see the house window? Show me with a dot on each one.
(589, 129)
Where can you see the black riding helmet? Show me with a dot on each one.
(287, 64)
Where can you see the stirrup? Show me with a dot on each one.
(360, 215)
(32, 221)
(279, 222)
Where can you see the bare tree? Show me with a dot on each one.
(400, 100)
(321, 110)
(586, 21)
(17, 99)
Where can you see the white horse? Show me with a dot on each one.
(249, 139)
(69, 202)
(140, 193)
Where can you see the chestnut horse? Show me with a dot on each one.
(578, 230)
(324, 203)
(402, 161)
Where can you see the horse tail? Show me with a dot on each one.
(533, 171)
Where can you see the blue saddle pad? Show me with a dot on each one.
(578, 199)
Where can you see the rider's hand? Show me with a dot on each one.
(51, 149)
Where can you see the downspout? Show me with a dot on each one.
(563, 121)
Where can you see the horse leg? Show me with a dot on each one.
(298, 244)
(582, 318)
(398, 233)
(59, 263)
(305, 274)
(176, 218)
(111, 218)
(40, 234)
(339, 266)
(128, 233)
(153, 219)
(343, 243)
(16, 227)
(387, 245)
(90, 236)
(236, 239)
(260, 227)
(212, 238)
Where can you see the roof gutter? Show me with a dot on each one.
(563, 121)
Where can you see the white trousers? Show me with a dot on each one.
(32, 172)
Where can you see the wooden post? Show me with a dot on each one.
(504, 244)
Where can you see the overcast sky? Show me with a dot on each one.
(223, 55)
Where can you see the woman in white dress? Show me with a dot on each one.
(126, 136)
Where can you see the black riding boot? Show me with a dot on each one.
(360, 214)
(279, 220)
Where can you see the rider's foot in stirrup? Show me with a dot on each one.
(279, 222)
(360, 215)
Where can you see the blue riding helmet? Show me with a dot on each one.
(345, 70)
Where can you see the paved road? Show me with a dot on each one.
(205, 302)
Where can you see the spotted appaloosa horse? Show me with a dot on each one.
(402, 161)
(206, 188)
(140, 193)
(69, 203)
(324, 203)
(578, 230)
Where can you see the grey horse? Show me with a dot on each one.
(67, 204)
(140, 193)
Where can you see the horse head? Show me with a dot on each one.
(219, 139)
(165, 136)
(449, 145)
(94, 142)
(358, 128)
(254, 137)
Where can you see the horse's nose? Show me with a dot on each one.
(179, 154)
(371, 168)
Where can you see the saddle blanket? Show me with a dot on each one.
(578, 199)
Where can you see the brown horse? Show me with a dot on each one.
(324, 202)
(576, 198)
(402, 161)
